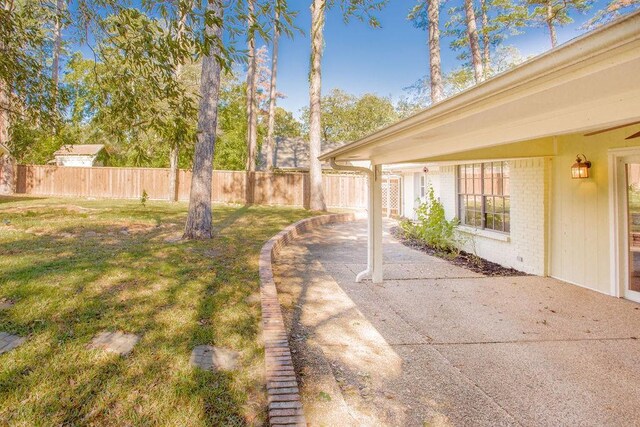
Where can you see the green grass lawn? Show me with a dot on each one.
(75, 268)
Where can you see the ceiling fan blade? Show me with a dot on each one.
(611, 128)
(635, 135)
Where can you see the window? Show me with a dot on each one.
(483, 196)
(423, 186)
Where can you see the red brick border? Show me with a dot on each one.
(285, 408)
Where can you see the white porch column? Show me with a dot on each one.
(375, 224)
(367, 273)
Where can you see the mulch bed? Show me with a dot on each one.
(462, 259)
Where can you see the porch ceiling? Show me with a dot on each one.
(590, 83)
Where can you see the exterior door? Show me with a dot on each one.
(631, 226)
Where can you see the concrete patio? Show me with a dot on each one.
(436, 344)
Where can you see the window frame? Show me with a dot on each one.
(462, 198)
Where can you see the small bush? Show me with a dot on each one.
(432, 226)
(144, 198)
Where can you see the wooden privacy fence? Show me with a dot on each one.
(271, 188)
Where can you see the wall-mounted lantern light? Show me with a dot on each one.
(580, 168)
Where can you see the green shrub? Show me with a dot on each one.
(144, 198)
(432, 226)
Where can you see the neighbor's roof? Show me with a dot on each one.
(293, 153)
(589, 83)
(79, 150)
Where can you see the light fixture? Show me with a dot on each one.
(580, 168)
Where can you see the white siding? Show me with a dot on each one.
(75, 161)
(580, 234)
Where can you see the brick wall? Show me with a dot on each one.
(530, 216)
(525, 247)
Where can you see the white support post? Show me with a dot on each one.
(367, 273)
(370, 190)
(375, 224)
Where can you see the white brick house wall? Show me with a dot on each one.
(524, 248)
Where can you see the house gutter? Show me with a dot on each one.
(349, 168)
(369, 173)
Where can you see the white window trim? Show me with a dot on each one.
(490, 233)
(484, 232)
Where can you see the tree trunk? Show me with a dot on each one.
(199, 224)
(486, 41)
(435, 66)
(7, 175)
(175, 147)
(4, 92)
(316, 198)
(252, 113)
(552, 28)
(4, 113)
(57, 47)
(272, 92)
(173, 173)
(474, 43)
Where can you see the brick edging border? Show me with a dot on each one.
(283, 394)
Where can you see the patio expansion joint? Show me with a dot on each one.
(550, 340)
(404, 279)
(456, 343)
(276, 343)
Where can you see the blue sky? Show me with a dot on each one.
(383, 61)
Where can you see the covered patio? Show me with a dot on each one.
(582, 98)
(436, 344)
(427, 343)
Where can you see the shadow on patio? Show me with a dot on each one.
(439, 345)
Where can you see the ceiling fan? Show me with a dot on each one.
(635, 135)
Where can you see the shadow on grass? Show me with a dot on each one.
(12, 199)
(76, 276)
